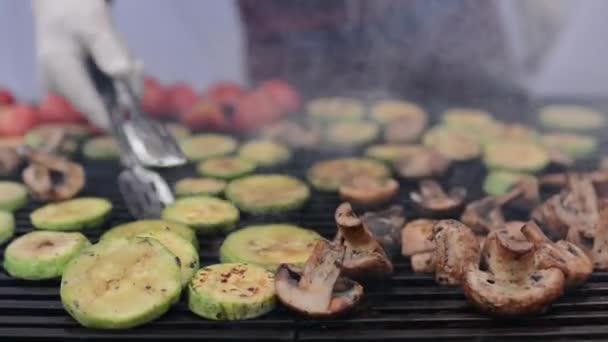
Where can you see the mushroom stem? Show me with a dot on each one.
(351, 228)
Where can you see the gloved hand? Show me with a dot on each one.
(67, 32)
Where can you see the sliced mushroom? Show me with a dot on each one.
(386, 227)
(422, 164)
(484, 215)
(317, 290)
(525, 194)
(417, 237)
(423, 262)
(514, 284)
(406, 129)
(38, 176)
(456, 248)
(364, 255)
(570, 259)
(366, 190)
(599, 253)
(432, 200)
(9, 161)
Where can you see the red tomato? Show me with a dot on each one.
(55, 108)
(206, 113)
(17, 120)
(254, 110)
(6, 97)
(182, 97)
(283, 95)
(225, 93)
(155, 100)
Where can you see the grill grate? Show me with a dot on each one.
(404, 306)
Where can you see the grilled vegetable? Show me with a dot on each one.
(573, 145)
(422, 164)
(7, 226)
(121, 283)
(391, 153)
(388, 111)
(516, 132)
(231, 292)
(269, 245)
(132, 229)
(101, 148)
(500, 182)
(456, 250)
(42, 255)
(264, 153)
(270, 193)
(467, 118)
(199, 186)
(433, 200)
(515, 156)
(329, 175)
(38, 176)
(204, 146)
(351, 134)
(205, 214)
(365, 190)
(181, 248)
(75, 214)
(13, 196)
(452, 144)
(571, 118)
(333, 109)
(225, 167)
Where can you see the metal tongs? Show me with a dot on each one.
(142, 143)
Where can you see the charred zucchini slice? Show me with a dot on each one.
(74, 214)
(121, 283)
(518, 156)
(13, 196)
(101, 148)
(500, 182)
(574, 145)
(452, 144)
(571, 117)
(225, 167)
(199, 187)
(388, 111)
(205, 214)
(329, 175)
(269, 245)
(271, 193)
(264, 152)
(334, 109)
(7, 226)
(132, 229)
(205, 146)
(231, 292)
(352, 134)
(392, 152)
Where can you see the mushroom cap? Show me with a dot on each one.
(385, 226)
(317, 290)
(422, 164)
(423, 262)
(483, 216)
(417, 237)
(366, 190)
(456, 248)
(432, 200)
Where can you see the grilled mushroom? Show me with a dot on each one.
(38, 176)
(364, 255)
(422, 164)
(366, 190)
(484, 215)
(432, 200)
(317, 290)
(456, 248)
(386, 226)
(406, 129)
(417, 237)
(599, 253)
(514, 283)
(423, 262)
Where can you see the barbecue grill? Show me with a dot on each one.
(404, 306)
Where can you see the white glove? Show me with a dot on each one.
(67, 31)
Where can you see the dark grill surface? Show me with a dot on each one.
(404, 306)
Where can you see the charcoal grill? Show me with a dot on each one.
(404, 306)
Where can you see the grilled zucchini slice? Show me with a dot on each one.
(571, 118)
(225, 167)
(13, 196)
(500, 182)
(573, 145)
(518, 156)
(101, 148)
(121, 283)
(74, 214)
(42, 255)
(231, 292)
(390, 153)
(132, 229)
(204, 214)
(388, 111)
(329, 175)
(269, 245)
(467, 118)
(271, 193)
(335, 109)
(352, 134)
(265, 152)
(199, 187)
(452, 144)
(204, 146)
(7, 226)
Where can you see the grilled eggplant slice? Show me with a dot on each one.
(269, 193)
